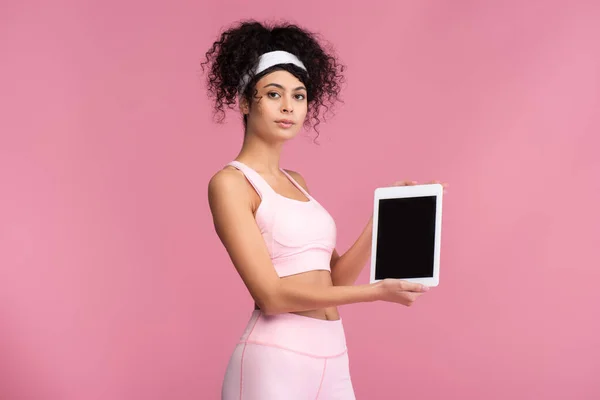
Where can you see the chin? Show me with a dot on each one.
(284, 134)
(288, 133)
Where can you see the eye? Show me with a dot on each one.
(273, 95)
(300, 97)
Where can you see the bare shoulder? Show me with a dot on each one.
(227, 183)
(298, 178)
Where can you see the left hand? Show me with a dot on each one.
(412, 183)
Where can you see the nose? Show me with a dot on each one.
(286, 105)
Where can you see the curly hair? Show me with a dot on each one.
(236, 52)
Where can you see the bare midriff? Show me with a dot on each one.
(318, 278)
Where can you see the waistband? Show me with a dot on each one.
(305, 335)
(302, 261)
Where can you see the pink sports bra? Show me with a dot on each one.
(300, 235)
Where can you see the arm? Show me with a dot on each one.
(236, 227)
(346, 268)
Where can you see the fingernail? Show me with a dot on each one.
(425, 288)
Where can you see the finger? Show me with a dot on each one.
(444, 184)
(411, 297)
(413, 287)
(405, 183)
(439, 182)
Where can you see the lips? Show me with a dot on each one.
(285, 123)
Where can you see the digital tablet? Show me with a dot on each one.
(407, 226)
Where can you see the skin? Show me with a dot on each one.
(233, 203)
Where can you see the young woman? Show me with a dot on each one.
(279, 238)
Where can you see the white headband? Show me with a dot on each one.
(267, 60)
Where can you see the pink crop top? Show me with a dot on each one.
(300, 235)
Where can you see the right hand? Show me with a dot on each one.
(400, 291)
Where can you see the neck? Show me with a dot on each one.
(260, 155)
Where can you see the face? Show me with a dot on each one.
(279, 108)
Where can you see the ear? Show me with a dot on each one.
(244, 106)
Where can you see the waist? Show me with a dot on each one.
(309, 336)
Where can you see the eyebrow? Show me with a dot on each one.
(282, 88)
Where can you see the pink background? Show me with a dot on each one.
(113, 284)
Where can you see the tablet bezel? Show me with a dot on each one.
(395, 192)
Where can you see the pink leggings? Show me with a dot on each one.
(288, 356)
